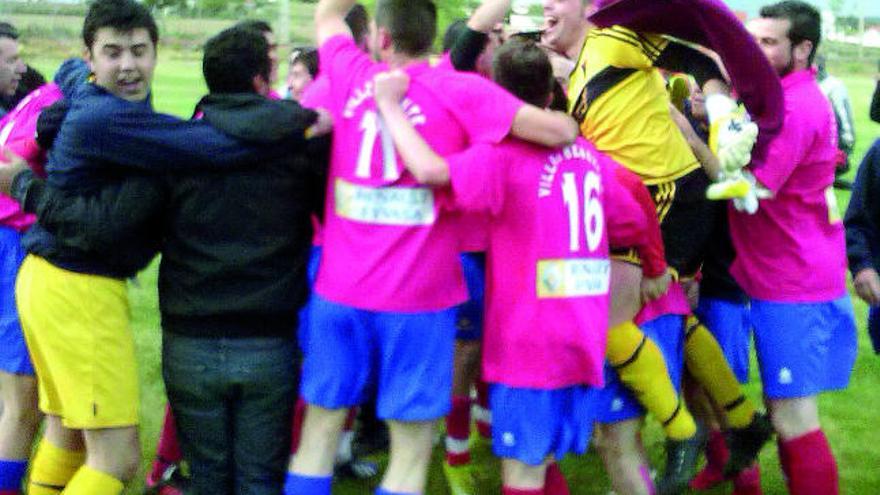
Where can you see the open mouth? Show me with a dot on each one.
(132, 85)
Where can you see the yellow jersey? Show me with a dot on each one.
(620, 101)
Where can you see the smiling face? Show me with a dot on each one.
(123, 62)
(565, 22)
(772, 36)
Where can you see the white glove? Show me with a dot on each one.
(732, 134)
(750, 201)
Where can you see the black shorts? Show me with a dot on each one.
(686, 220)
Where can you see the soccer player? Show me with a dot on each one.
(562, 269)
(302, 69)
(390, 276)
(12, 68)
(19, 416)
(790, 257)
(614, 92)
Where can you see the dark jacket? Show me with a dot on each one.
(875, 104)
(862, 218)
(234, 240)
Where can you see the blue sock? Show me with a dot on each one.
(382, 491)
(297, 484)
(11, 473)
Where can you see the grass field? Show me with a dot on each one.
(848, 417)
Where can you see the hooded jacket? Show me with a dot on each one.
(234, 239)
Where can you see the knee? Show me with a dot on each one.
(793, 418)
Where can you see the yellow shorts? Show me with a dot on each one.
(77, 329)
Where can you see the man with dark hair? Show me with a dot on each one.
(265, 29)
(358, 21)
(541, 382)
(381, 310)
(11, 66)
(790, 256)
(302, 70)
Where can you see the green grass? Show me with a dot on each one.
(849, 417)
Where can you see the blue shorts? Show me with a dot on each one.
(14, 357)
(408, 356)
(303, 315)
(616, 402)
(804, 348)
(729, 323)
(469, 325)
(529, 425)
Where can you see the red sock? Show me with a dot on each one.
(168, 449)
(349, 420)
(748, 482)
(716, 457)
(554, 481)
(484, 423)
(506, 490)
(810, 465)
(296, 424)
(458, 430)
(10, 492)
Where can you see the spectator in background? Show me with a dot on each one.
(11, 66)
(302, 70)
(834, 89)
(862, 237)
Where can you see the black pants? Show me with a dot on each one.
(232, 400)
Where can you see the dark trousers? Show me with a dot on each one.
(232, 400)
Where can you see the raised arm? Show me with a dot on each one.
(547, 127)
(488, 15)
(330, 19)
(419, 158)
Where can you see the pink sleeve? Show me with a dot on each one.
(783, 153)
(342, 62)
(632, 221)
(477, 178)
(317, 95)
(484, 109)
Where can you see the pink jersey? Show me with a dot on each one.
(547, 267)
(389, 243)
(674, 302)
(793, 248)
(17, 131)
(317, 94)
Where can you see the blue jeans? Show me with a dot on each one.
(232, 400)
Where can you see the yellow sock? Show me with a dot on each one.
(707, 364)
(642, 369)
(88, 481)
(52, 468)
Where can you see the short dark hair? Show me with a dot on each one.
(453, 32)
(359, 22)
(412, 24)
(258, 25)
(522, 67)
(806, 22)
(308, 57)
(8, 31)
(121, 15)
(232, 59)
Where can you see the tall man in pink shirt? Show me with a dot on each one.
(791, 258)
(390, 275)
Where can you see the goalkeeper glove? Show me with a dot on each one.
(732, 134)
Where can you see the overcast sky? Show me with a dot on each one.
(850, 7)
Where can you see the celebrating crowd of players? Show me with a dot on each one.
(535, 218)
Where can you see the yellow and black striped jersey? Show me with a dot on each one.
(620, 101)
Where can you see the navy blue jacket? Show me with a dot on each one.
(103, 138)
(862, 218)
